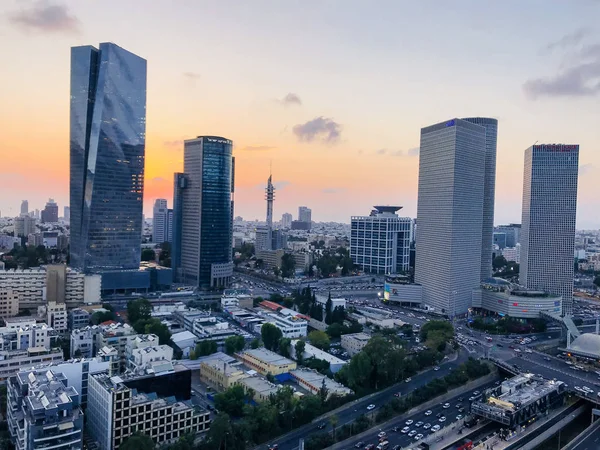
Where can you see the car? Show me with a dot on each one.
(458, 405)
(436, 368)
(499, 345)
(446, 405)
(409, 422)
(476, 393)
(359, 444)
(397, 394)
(546, 358)
(428, 412)
(435, 428)
(382, 434)
(459, 417)
(471, 399)
(549, 337)
(427, 426)
(412, 433)
(274, 447)
(405, 430)
(442, 419)
(418, 424)
(322, 425)
(408, 380)
(370, 447)
(371, 407)
(418, 437)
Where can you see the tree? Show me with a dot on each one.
(319, 339)
(153, 326)
(284, 346)
(138, 309)
(499, 262)
(231, 401)
(288, 265)
(234, 344)
(102, 316)
(276, 271)
(148, 254)
(299, 348)
(205, 348)
(137, 441)
(164, 258)
(334, 420)
(270, 336)
(255, 343)
(329, 310)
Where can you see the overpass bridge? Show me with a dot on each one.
(566, 322)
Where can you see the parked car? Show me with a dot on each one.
(428, 412)
(370, 407)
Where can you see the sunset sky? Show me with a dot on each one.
(332, 92)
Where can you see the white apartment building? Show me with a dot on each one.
(56, 316)
(9, 303)
(354, 343)
(335, 302)
(13, 361)
(160, 221)
(291, 326)
(140, 358)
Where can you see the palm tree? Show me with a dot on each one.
(334, 420)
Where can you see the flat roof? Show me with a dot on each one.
(268, 356)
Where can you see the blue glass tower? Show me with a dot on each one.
(107, 146)
(203, 214)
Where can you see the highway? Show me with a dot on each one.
(355, 409)
(403, 439)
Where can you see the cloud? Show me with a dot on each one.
(413, 151)
(291, 99)
(281, 184)
(192, 75)
(257, 148)
(579, 76)
(332, 190)
(381, 151)
(409, 152)
(569, 40)
(175, 144)
(585, 169)
(320, 127)
(45, 17)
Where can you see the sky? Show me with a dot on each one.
(331, 94)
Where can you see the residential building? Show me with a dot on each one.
(452, 174)
(286, 221)
(512, 232)
(160, 221)
(56, 316)
(82, 341)
(489, 189)
(512, 253)
(66, 212)
(24, 207)
(185, 341)
(203, 214)
(310, 351)
(50, 212)
(260, 388)
(36, 286)
(291, 325)
(35, 239)
(78, 318)
(354, 343)
(304, 214)
(24, 225)
(108, 118)
(263, 239)
(12, 361)
(8, 242)
(270, 258)
(9, 303)
(380, 242)
(141, 358)
(115, 411)
(508, 299)
(241, 301)
(265, 361)
(548, 225)
(221, 373)
(314, 382)
(43, 412)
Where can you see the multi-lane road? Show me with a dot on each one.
(351, 411)
(425, 418)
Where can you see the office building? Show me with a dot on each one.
(25, 207)
(169, 225)
(50, 212)
(500, 239)
(116, 409)
(263, 239)
(203, 214)
(380, 242)
(354, 343)
(24, 225)
(450, 214)
(548, 225)
(265, 361)
(286, 221)
(108, 142)
(304, 214)
(512, 232)
(160, 221)
(400, 290)
(66, 213)
(44, 412)
(299, 225)
(489, 189)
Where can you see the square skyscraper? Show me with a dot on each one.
(549, 215)
(450, 214)
(107, 147)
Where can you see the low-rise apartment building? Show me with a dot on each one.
(13, 361)
(354, 343)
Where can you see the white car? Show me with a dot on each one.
(459, 417)
(370, 407)
(418, 424)
(418, 437)
(442, 419)
(427, 426)
(435, 428)
(382, 434)
(446, 405)
(412, 433)
(405, 430)
(409, 422)
(428, 412)
(436, 368)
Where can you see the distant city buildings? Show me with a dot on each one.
(66, 213)
(24, 225)
(304, 214)
(512, 232)
(380, 242)
(548, 225)
(25, 207)
(203, 214)
(108, 141)
(286, 220)
(450, 214)
(160, 221)
(50, 212)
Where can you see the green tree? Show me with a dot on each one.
(205, 348)
(284, 346)
(319, 339)
(153, 326)
(137, 441)
(288, 265)
(299, 348)
(335, 330)
(234, 344)
(270, 336)
(148, 254)
(276, 271)
(329, 310)
(255, 343)
(138, 309)
(232, 401)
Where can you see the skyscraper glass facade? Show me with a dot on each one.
(549, 214)
(450, 214)
(107, 147)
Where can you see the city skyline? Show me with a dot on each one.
(299, 114)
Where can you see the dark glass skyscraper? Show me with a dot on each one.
(203, 214)
(108, 141)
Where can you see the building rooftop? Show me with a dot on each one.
(260, 385)
(358, 336)
(268, 356)
(521, 391)
(182, 336)
(588, 344)
(320, 354)
(314, 378)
